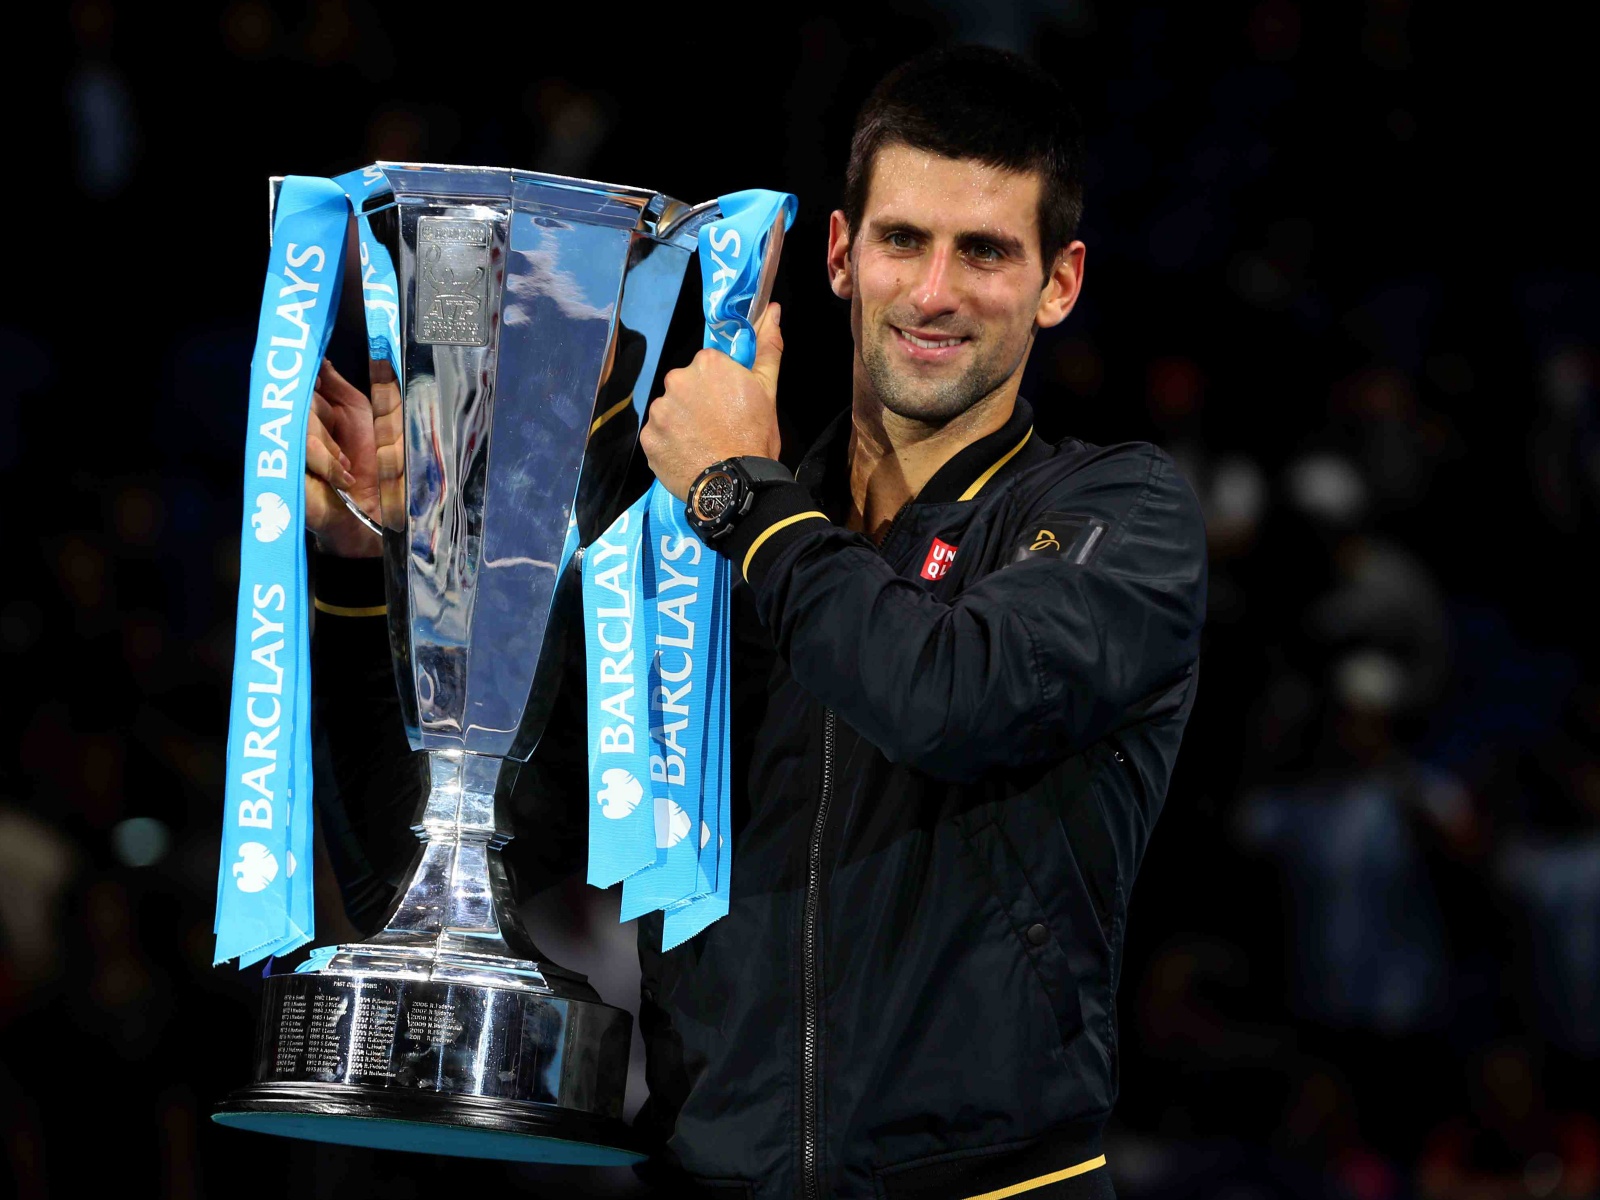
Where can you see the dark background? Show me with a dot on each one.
(1340, 265)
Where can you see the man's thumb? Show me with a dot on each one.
(769, 348)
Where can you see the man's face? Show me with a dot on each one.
(945, 281)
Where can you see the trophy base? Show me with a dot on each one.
(460, 1126)
(440, 1066)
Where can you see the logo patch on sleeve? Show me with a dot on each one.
(940, 555)
(1072, 536)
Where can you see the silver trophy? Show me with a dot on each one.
(530, 309)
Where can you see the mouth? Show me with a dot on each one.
(928, 346)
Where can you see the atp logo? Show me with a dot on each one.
(441, 273)
(257, 867)
(940, 555)
(619, 794)
(271, 517)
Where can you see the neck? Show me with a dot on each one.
(893, 457)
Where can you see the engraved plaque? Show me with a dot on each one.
(421, 1035)
(452, 282)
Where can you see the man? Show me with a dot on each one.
(985, 656)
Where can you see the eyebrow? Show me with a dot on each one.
(1003, 242)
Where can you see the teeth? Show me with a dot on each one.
(927, 344)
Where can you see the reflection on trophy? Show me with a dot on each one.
(448, 1031)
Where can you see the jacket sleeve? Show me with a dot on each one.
(1027, 665)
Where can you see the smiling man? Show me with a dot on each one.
(987, 653)
(964, 659)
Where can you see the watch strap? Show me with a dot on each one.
(763, 471)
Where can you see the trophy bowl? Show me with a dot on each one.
(511, 318)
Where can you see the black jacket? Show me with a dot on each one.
(950, 769)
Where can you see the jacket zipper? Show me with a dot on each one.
(894, 523)
(811, 952)
(811, 955)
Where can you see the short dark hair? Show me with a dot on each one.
(980, 103)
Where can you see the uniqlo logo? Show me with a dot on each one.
(940, 555)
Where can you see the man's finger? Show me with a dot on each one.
(324, 459)
(317, 431)
(324, 466)
(769, 348)
(322, 416)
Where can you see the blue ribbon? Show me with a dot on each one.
(380, 288)
(264, 882)
(680, 589)
(679, 592)
(264, 892)
(617, 639)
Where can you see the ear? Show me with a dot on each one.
(1062, 287)
(839, 256)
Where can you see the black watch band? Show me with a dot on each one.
(726, 490)
(764, 471)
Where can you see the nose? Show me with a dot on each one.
(932, 294)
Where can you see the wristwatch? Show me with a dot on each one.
(726, 490)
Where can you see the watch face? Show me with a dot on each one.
(714, 496)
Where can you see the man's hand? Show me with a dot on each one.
(341, 453)
(715, 409)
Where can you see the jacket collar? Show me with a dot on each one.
(826, 467)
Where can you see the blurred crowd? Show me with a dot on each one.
(1345, 283)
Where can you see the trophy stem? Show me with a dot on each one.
(456, 918)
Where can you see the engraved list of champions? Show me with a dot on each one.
(419, 1035)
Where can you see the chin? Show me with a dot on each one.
(929, 407)
(913, 396)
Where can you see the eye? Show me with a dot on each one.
(901, 240)
(984, 252)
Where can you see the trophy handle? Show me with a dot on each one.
(358, 512)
